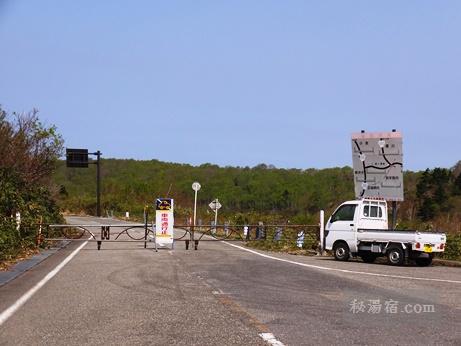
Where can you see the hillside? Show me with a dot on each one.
(433, 198)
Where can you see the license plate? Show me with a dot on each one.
(427, 248)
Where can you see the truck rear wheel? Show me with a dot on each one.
(396, 256)
(423, 262)
(341, 251)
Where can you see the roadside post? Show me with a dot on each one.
(164, 222)
(226, 228)
(278, 234)
(39, 236)
(322, 232)
(146, 217)
(300, 239)
(18, 220)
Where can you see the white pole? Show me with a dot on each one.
(195, 207)
(215, 219)
(322, 232)
(18, 220)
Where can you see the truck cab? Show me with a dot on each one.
(360, 228)
(353, 215)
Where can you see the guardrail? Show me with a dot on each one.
(52, 232)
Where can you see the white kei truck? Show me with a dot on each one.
(360, 229)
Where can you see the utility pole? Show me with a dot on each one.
(79, 158)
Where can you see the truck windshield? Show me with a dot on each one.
(344, 213)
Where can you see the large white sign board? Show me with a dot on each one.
(164, 221)
(377, 162)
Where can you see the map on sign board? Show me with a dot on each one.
(377, 162)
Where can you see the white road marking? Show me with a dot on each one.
(270, 339)
(342, 270)
(6, 314)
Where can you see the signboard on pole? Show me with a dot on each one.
(196, 186)
(215, 205)
(378, 165)
(164, 221)
(77, 158)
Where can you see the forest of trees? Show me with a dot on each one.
(28, 155)
(432, 197)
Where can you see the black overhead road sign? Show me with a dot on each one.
(77, 158)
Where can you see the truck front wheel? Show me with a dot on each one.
(341, 251)
(396, 256)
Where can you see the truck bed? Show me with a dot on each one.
(399, 236)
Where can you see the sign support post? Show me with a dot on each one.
(78, 158)
(394, 215)
(215, 220)
(98, 184)
(215, 206)
(196, 187)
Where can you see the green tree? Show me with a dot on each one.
(29, 152)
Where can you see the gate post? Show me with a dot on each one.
(146, 215)
(39, 235)
(192, 234)
(322, 232)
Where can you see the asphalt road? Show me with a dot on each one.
(226, 295)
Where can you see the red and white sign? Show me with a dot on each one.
(164, 221)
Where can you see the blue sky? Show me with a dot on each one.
(238, 82)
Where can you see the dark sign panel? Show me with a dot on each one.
(77, 158)
(163, 204)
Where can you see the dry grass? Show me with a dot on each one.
(23, 255)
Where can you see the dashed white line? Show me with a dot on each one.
(342, 270)
(270, 339)
(6, 314)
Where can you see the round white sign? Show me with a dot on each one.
(196, 186)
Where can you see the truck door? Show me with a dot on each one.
(341, 226)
